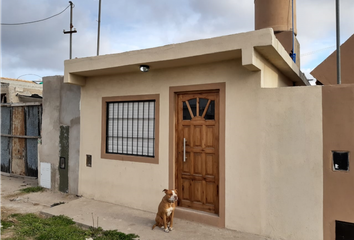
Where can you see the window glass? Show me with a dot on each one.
(202, 104)
(210, 114)
(130, 128)
(186, 114)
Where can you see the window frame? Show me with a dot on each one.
(123, 157)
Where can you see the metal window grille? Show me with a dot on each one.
(131, 128)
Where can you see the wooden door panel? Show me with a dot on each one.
(186, 132)
(198, 164)
(210, 191)
(197, 191)
(197, 178)
(186, 166)
(209, 164)
(185, 193)
(209, 136)
(197, 136)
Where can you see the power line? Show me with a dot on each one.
(318, 50)
(12, 24)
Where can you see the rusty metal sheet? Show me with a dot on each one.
(32, 129)
(18, 145)
(5, 141)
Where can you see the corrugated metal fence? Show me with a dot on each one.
(20, 132)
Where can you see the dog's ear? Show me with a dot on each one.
(176, 191)
(165, 190)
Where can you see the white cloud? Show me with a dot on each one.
(135, 24)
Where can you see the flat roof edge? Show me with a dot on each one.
(187, 53)
(171, 52)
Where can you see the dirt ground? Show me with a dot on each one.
(111, 216)
(13, 201)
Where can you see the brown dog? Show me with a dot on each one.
(166, 210)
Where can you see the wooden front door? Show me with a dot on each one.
(197, 161)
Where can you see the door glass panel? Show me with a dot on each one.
(193, 105)
(202, 104)
(186, 114)
(210, 114)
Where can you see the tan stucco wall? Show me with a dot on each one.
(290, 159)
(126, 182)
(274, 177)
(267, 158)
(271, 77)
(338, 135)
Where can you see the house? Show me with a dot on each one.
(219, 119)
(17, 90)
(21, 114)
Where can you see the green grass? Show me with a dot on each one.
(32, 189)
(31, 226)
(6, 224)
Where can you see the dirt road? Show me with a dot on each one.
(13, 201)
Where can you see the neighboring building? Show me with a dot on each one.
(16, 90)
(338, 135)
(338, 149)
(21, 115)
(326, 72)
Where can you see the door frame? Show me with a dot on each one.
(185, 213)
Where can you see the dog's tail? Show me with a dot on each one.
(153, 227)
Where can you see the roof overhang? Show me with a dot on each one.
(31, 98)
(246, 46)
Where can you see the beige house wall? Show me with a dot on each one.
(144, 179)
(290, 158)
(264, 172)
(268, 162)
(271, 77)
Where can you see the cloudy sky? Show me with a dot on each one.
(32, 51)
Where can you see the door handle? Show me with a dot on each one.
(184, 149)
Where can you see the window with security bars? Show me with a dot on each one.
(131, 128)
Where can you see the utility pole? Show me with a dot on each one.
(71, 27)
(99, 25)
(339, 80)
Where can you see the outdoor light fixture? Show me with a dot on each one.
(144, 68)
